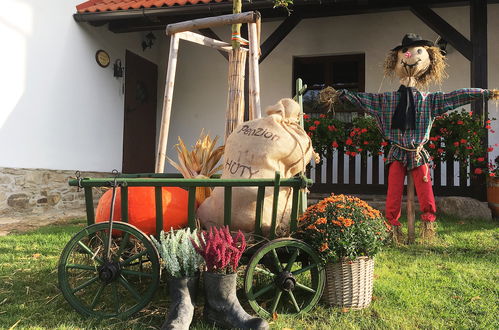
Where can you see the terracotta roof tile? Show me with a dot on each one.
(92, 6)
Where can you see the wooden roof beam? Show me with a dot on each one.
(279, 34)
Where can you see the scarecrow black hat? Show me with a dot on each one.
(411, 40)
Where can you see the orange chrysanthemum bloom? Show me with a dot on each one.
(323, 247)
(321, 221)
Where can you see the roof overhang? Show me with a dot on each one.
(157, 18)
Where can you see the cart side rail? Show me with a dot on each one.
(158, 181)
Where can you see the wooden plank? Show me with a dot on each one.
(167, 105)
(329, 167)
(351, 170)
(255, 110)
(209, 22)
(279, 34)
(341, 167)
(207, 32)
(375, 168)
(449, 174)
(363, 169)
(205, 41)
(444, 29)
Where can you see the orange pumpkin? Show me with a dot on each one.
(142, 210)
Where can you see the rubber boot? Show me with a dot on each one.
(182, 295)
(222, 307)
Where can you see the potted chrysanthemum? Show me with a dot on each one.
(347, 233)
(182, 264)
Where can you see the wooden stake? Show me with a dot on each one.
(167, 105)
(254, 73)
(202, 23)
(410, 209)
(235, 100)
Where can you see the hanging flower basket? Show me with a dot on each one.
(349, 283)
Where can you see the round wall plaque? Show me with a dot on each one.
(102, 58)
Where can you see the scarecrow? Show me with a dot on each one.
(405, 118)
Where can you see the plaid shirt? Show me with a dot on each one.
(428, 106)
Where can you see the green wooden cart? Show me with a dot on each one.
(112, 269)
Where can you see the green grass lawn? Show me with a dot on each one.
(451, 283)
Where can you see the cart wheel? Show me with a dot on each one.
(119, 287)
(284, 276)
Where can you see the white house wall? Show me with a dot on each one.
(58, 108)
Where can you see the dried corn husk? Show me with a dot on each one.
(200, 162)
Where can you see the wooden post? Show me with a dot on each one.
(255, 111)
(410, 209)
(235, 100)
(167, 105)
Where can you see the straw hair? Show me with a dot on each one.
(434, 74)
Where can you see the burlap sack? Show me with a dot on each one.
(256, 149)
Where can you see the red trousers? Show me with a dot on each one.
(424, 191)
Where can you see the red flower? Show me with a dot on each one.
(488, 121)
(384, 143)
(460, 122)
(359, 149)
(306, 116)
(432, 146)
(322, 115)
(478, 170)
(469, 148)
(489, 149)
(317, 122)
(481, 159)
(364, 130)
(366, 143)
(463, 141)
(334, 144)
(331, 128)
(440, 150)
(492, 174)
(432, 138)
(456, 144)
(488, 127)
(348, 142)
(347, 153)
(309, 134)
(384, 159)
(380, 153)
(353, 153)
(352, 133)
(312, 128)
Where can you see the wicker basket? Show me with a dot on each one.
(349, 284)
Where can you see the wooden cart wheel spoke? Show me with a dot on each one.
(132, 258)
(293, 300)
(263, 290)
(90, 252)
(133, 272)
(82, 267)
(304, 287)
(116, 297)
(294, 270)
(123, 281)
(275, 302)
(84, 274)
(85, 284)
(304, 269)
(264, 271)
(292, 260)
(123, 244)
(277, 263)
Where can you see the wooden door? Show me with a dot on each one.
(139, 135)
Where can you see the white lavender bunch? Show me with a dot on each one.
(179, 257)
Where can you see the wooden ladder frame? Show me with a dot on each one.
(183, 30)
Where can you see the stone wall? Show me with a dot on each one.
(41, 193)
